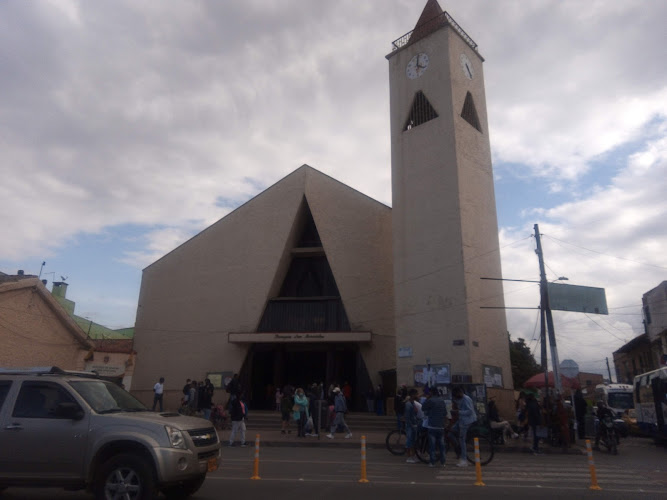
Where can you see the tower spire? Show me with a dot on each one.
(428, 21)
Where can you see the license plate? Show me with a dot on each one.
(212, 464)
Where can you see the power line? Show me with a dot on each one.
(605, 254)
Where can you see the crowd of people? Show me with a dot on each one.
(427, 411)
(304, 408)
(545, 420)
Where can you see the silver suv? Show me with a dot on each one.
(77, 431)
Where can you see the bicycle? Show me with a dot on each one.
(486, 450)
(396, 439)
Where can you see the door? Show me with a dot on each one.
(38, 443)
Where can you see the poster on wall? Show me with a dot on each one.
(220, 379)
(492, 376)
(432, 375)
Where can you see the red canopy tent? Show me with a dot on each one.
(537, 381)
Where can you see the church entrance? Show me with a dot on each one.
(269, 366)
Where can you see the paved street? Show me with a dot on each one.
(639, 471)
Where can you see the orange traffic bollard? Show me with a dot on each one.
(363, 479)
(255, 474)
(478, 465)
(591, 465)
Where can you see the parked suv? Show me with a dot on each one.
(77, 431)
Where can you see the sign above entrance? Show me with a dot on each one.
(297, 337)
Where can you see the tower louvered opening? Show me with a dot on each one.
(421, 112)
(469, 112)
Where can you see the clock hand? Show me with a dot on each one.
(469, 72)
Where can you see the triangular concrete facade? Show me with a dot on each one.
(219, 281)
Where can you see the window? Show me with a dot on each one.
(469, 112)
(421, 112)
(39, 400)
(4, 389)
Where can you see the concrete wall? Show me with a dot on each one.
(220, 280)
(444, 217)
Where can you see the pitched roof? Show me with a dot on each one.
(11, 283)
(427, 22)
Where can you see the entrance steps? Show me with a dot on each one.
(359, 422)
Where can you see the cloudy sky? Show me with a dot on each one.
(127, 127)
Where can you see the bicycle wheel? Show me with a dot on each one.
(422, 448)
(485, 449)
(396, 442)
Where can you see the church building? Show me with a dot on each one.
(312, 281)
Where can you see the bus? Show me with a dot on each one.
(618, 397)
(650, 390)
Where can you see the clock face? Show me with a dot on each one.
(466, 65)
(417, 66)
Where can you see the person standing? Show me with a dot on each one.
(347, 392)
(411, 424)
(340, 407)
(279, 398)
(435, 413)
(158, 393)
(313, 397)
(580, 407)
(301, 411)
(379, 400)
(467, 416)
(286, 404)
(237, 414)
(370, 400)
(234, 387)
(534, 416)
(207, 398)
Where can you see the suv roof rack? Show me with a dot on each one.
(46, 370)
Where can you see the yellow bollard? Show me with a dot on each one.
(478, 465)
(255, 474)
(363, 460)
(591, 465)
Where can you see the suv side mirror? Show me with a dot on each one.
(71, 411)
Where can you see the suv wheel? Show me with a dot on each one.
(184, 489)
(126, 477)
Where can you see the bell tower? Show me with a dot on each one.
(445, 228)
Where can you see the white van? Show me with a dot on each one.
(618, 397)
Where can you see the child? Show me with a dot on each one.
(279, 398)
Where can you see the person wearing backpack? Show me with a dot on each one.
(340, 407)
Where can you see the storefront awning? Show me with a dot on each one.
(297, 337)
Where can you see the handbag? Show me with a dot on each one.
(309, 424)
(296, 408)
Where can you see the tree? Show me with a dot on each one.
(523, 363)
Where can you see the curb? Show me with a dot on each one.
(355, 444)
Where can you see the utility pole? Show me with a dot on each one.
(543, 347)
(544, 304)
(608, 370)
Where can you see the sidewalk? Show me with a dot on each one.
(374, 439)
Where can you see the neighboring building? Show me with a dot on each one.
(312, 281)
(647, 351)
(35, 330)
(112, 355)
(654, 303)
(29, 341)
(588, 381)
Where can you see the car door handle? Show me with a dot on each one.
(14, 427)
